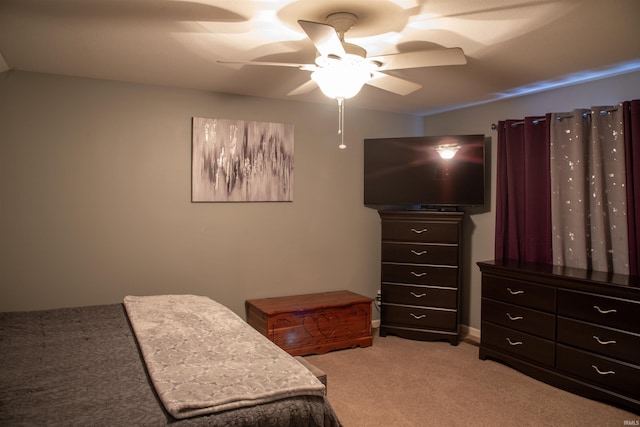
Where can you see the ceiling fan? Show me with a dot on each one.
(342, 68)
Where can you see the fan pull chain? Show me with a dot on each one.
(341, 122)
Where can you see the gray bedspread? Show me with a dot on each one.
(82, 367)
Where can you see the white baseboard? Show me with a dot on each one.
(471, 333)
(375, 323)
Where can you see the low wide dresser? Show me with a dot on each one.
(313, 323)
(572, 328)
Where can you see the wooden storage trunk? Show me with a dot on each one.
(313, 323)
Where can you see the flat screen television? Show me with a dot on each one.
(431, 172)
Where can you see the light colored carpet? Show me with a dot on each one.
(398, 382)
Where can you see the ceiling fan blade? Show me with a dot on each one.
(393, 84)
(324, 37)
(423, 58)
(307, 67)
(304, 88)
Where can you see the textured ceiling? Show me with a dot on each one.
(511, 45)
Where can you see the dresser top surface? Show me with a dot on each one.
(307, 302)
(557, 272)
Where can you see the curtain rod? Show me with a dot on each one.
(559, 117)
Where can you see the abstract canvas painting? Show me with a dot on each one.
(241, 161)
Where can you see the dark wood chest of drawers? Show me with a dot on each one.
(420, 275)
(313, 323)
(572, 328)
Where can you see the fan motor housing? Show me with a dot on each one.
(353, 49)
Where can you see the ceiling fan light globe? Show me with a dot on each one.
(341, 81)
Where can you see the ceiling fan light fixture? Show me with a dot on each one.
(342, 78)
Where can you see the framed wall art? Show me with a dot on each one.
(241, 161)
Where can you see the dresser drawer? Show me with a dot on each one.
(420, 274)
(611, 374)
(393, 314)
(614, 312)
(520, 293)
(431, 296)
(420, 253)
(522, 319)
(519, 343)
(599, 339)
(409, 231)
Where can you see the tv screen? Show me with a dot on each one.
(424, 172)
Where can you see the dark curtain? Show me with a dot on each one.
(523, 195)
(632, 148)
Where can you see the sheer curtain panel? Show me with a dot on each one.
(588, 202)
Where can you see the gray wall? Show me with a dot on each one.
(95, 194)
(95, 198)
(480, 227)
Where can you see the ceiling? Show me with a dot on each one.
(512, 46)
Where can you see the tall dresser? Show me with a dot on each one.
(420, 275)
(575, 329)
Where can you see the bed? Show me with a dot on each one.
(125, 364)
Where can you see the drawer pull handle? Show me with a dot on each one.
(515, 292)
(419, 231)
(513, 343)
(603, 342)
(418, 317)
(514, 317)
(418, 252)
(605, 311)
(602, 372)
(418, 274)
(419, 295)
